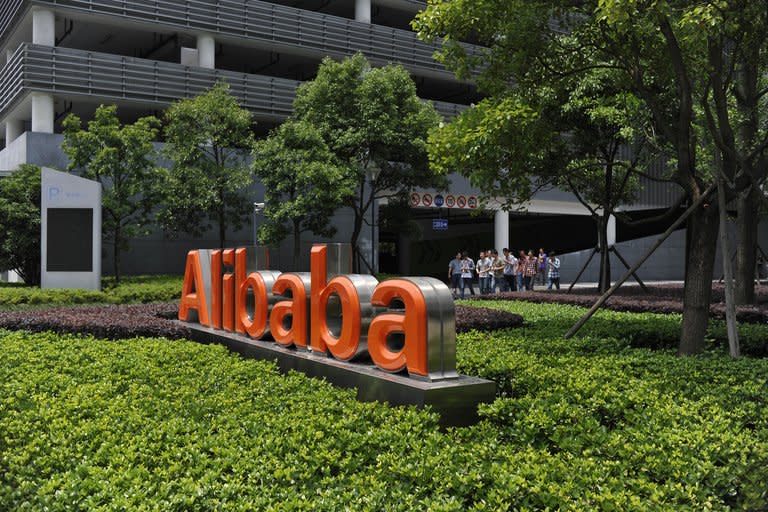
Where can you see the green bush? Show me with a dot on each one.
(583, 424)
(142, 289)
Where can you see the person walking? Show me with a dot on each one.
(553, 262)
(529, 273)
(467, 267)
(483, 273)
(454, 274)
(541, 271)
(521, 262)
(510, 269)
(497, 268)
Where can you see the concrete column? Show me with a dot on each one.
(13, 130)
(43, 27)
(500, 230)
(363, 11)
(206, 51)
(42, 112)
(611, 236)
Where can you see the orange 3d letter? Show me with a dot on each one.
(193, 291)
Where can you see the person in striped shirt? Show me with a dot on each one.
(553, 264)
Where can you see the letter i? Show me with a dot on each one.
(228, 284)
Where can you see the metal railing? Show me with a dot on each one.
(106, 77)
(9, 11)
(265, 24)
(11, 81)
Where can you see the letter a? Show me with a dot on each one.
(193, 291)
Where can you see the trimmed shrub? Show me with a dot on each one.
(129, 321)
(470, 318)
(106, 321)
(140, 289)
(663, 300)
(150, 424)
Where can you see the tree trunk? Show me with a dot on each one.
(604, 280)
(730, 306)
(296, 245)
(116, 255)
(700, 262)
(356, 230)
(746, 248)
(222, 228)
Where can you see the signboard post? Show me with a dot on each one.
(70, 238)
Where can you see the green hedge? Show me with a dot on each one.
(132, 289)
(583, 424)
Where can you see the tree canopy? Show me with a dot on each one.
(303, 184)
(376, 126)
(670, 56)
(121, 157)
(208, 140)
(20, 218)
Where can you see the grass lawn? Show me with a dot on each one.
(582, 424)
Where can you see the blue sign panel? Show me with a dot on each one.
(440, 224)
(439, 200)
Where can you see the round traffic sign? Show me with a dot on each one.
(450, 201)
(427, 199)
(439, 201)
(472, 202)
(461, 201)
(415, 199)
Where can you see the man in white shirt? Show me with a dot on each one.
(467, 267)
(510, 270)
(483, 272)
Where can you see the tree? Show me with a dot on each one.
(20, 219)
(568, 133)
(303, 184)
(659, 53)
(377, 127)
(122, 159)
(208, 139)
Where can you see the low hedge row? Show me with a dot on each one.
(131, 320)
(630, 303)
(140, 289)
(637, 330)
(587, 424)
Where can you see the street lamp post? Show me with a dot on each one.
(257, 209)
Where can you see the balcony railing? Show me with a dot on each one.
(264, 24)
(106, 77)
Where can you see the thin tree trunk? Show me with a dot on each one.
(697, 296)
(296, 245)
(746, 248)
(730, 306)
(222, 218)
(604, 281)
(116, 255)
(356, 229)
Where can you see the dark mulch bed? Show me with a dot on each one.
(658, 299)
(154, 320)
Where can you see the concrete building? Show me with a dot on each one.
(69, 56)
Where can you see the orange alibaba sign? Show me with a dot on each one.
(404, 325)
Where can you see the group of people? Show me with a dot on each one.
(503, 272)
